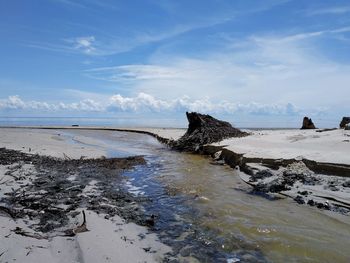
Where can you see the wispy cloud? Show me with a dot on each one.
(333, 10)
(84, 44)
(105, 44)
(298, 37)
(130, 73)
(70, 3)
(267, 68)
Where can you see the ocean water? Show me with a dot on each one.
(169, 121)
(88, 121)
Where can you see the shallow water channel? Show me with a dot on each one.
(207, 214)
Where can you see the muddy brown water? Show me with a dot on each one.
(218, 203)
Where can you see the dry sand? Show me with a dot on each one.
(331, 146)
(106, 241)
(49, 142)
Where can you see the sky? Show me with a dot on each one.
(251, 62)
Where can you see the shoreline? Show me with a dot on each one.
(232, 156)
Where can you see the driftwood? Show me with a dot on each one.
(9, 211)
(82, 228)
(20, 231)
(66, 157)
(2, 178)
(326, 130)
(79, 229)
(68, 233)
(204, 129)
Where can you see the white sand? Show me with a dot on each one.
(48, 142)
(331, 146)
(106, 241)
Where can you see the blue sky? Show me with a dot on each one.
(255, 63)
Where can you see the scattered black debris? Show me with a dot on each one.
(147, 249)
(304, 193)
(346, 184)
(275, 186)
(299, 199)
(261, 175)
(311, 202)
(60, 183)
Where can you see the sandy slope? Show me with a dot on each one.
(106, 241)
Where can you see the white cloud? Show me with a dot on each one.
(15, 103)
(268, 69)
(145, 103)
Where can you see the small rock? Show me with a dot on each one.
(305, 193)
(311, 202)
(319, 205)
(299, 199)
(346, 184)
(333, 188)
(262, 174)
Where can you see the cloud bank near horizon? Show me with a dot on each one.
(145, 103)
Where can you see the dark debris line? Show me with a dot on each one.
(43, 198)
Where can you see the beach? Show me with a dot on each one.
(77, 162)
(107, 240)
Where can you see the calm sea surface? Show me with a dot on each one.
(88, 121)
